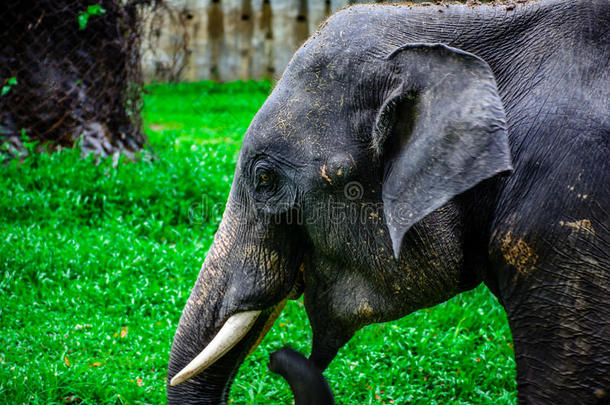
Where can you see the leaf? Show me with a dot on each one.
(66, 361)
(95, 9)
(83, 18)
(10, 83)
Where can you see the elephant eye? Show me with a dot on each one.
(264, 179)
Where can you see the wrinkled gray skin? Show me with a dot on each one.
(494, 167)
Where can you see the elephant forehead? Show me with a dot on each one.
(324, 102)
(297, 120)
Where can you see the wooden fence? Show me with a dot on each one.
(190, 40)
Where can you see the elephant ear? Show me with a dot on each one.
(441, 130)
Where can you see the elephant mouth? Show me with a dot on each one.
(231, 333)
(299, 284)
(249, 328)
(237, 338)
(210, 384)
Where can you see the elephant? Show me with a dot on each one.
(306, 381)
(410, 153)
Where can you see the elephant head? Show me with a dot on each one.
(351, 185)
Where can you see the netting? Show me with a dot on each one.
(70, 72)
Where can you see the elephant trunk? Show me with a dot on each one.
(226, 315)
(206, 331)
(198, 326)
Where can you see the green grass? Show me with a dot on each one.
(97, 262)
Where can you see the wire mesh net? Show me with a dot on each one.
(70, 72)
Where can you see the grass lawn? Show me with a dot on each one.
(97, 263)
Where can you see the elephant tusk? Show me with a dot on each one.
(234, 330)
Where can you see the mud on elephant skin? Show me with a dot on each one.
(407, 155)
